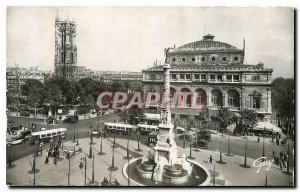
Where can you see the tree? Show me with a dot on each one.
(136, 86)
(224, 118)
(283, 106)
(89, 103)
(34, 92)
(204, 117)
(247, 119)
(117, 86)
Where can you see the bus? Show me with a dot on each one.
(119, 128)
(144, 129)
(47, 135)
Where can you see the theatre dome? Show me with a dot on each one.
(206, 51)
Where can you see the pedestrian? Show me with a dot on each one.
(210, 159)
(281, 154)
(49, 153)
(116, 182)
(258, 139)
(274, 153)
(285, 157)
(277, 141)
(55, 161)
(9, 162)
(47, 160)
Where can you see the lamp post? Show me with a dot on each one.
(127, 150)
(263, 153)
(91, 141)
(112, 167)
(228, 144)
(81, 166)
(101, 151)
(93, 182)
(69, 170)
(214, 175)
(245, 160)
(221, 161)
(288, 158)
(74, 137)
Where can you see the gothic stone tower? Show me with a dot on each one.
(65, 48)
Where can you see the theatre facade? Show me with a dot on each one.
(216, 71)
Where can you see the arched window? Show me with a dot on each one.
(216, 97)
(201, 97)
(233, 99)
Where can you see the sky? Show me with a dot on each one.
(132, 38)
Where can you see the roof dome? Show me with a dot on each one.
(206, 44)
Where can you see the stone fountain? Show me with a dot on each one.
(161, 165)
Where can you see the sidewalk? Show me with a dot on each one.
(230, 174)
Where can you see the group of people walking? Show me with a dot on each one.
(280, 159)
(53, 152)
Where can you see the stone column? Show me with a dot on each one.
(269, 107)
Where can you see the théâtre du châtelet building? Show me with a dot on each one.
(216, 71)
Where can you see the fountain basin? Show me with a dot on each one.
(173, 175)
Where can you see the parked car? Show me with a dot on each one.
(51, 120)
(15, 141)
(96, 132)
(205, 135)
(201, 144)
(179, 130)
(71, 119)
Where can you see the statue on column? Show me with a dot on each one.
(166, 53)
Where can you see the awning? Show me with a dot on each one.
(268, 126)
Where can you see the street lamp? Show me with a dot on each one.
(245, 160)
(221, 150)
(127, 150)
(228, 144)
(69, 170)
(112, 167)
(100, 152)
(263, 153)
(288, 158)
(93, 182)
(81, 166)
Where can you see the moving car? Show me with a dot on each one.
(96, 132)
(25, 134)
(15, 141)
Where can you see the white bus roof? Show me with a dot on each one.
(152, 116)
(48, 131)
(147, 126)
(120, 125)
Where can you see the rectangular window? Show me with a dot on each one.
(188, 77)
(256, 102)
(236, 78)
(173, 76)
(197, 76)
(212, 77)
(219, 77)
(182, 76)
(229, 77)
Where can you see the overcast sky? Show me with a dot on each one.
(132, 38)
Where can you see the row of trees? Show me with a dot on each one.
(283, 102)
(59, 91)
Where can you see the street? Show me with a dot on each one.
(237, 144)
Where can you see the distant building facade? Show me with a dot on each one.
(216, 71)
(65, 48)
(111, 76)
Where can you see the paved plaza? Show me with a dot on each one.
(230, 173)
